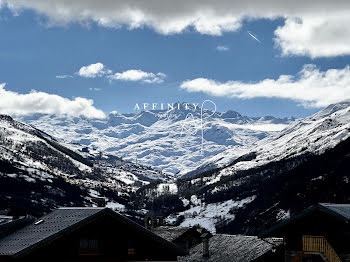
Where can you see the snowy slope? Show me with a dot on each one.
(36, 168)
(304, 164)
(170, 141)
(211, 215)
(314, 134)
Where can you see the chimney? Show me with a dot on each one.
(205, 240)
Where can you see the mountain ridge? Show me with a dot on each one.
(170, 141)
(282, 175)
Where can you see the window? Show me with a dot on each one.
(131, 248)
(84, 243)
(89, 247)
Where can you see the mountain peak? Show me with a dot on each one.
(231, 114)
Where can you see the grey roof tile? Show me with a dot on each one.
(233, 248)
(170, 233)
(62, 220)
(340, 209)
(51, 224)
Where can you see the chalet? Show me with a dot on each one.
(185, 237)
(153, 219)
(86, 234)
(235, 248)
(319, 233)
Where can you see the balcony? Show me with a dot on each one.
(320, 245)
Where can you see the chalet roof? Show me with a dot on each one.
(60, 221)
(234, 248)
(339, 211)
(170, 233)
(8, 226)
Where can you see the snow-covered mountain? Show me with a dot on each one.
(168, 140)
(38, 172)
(306, 163)
(250, 185)
(314, 134)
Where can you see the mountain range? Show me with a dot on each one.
(253, 173)
(166, 140)
(306, 163)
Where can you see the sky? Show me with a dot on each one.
(93, 57)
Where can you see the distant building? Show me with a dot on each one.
(236, 248)
(153, 219)
(185, 237)
(86, 234)
(319, 233)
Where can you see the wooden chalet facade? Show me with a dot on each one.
(86, 234)
(319, 233)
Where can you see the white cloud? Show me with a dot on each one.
(100, 70)
(311, 87)
(222, 48)
(315, 35)
(13, 103)
(165, 17)
(93, 70)
(323, 29)
(138, 75)
(64, 76)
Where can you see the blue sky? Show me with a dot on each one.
(33, 53)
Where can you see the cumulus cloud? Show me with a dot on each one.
(93, 70)
(315, 35)
(311, 87)
(222, 48)
(313, 29)
(13, 103)
(138, 75)
(100, 70)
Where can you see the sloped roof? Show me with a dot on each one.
(339, 211)
(233, 248)
(60, 221)
(342, 210)
(170, 233)
(9, 226)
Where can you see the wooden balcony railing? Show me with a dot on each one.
(318, 244)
